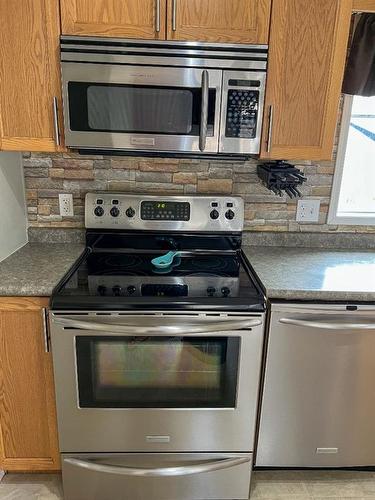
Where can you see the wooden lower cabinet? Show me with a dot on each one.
(28, 429)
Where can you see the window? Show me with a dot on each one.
(353, 194)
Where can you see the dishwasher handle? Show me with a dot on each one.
(327, 325)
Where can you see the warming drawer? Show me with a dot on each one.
(156, 476)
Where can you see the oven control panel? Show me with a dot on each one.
(170, 213)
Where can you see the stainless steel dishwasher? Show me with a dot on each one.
(318, 404)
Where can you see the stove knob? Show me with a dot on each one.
(225, 291)
(116, 291)
(211, 291)
(130, 212)
(99, 211)
(214, 214)
(131, 289)
(230, 214)
(102, 290)
(115, 212)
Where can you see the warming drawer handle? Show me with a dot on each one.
(327, 325)
(167, 329)
(158, 472)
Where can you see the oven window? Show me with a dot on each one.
(157, 372)
(134, 109)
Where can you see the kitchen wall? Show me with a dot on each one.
(13, 230)
(48, 175)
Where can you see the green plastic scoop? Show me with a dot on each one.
(165, 260)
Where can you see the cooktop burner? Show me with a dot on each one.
(128, 264)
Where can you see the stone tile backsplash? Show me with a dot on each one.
(48, 175)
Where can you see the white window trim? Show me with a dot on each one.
(333, 218)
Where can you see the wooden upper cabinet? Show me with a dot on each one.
(114, 18)
(29, 74)
(308, 46)
(232, 21)
(28, 434)
(364, 5)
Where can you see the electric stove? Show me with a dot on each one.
(125, 233)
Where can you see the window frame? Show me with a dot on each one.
(333, 218)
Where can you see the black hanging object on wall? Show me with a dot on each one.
(359, 76)
(281, 177)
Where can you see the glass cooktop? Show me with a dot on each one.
(120, 278)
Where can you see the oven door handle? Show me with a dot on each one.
(161, 471)
(166, 329)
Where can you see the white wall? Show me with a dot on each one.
(13, 227)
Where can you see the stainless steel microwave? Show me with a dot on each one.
(155, 97)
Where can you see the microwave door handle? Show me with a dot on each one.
(220, 464)
(204, 112)
(163, 329)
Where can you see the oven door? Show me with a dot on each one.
(156, 382)
(141, 108)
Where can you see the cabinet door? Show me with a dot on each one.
(28, 435)
(29, 74)
(114, 18)
(234, 21)
(308, 45)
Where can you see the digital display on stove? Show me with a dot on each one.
(165, 210)
(164, 290)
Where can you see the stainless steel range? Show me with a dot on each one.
(157, 368)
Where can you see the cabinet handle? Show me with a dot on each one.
(45, 329)
(56, 121)
(157, 16)
(270, 126)
(174, 15)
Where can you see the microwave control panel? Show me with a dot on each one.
(242, 113)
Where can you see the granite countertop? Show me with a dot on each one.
(36, 268)
(314, 274)
(288, 273)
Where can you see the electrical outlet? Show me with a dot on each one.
(66, 205)
(308, 210)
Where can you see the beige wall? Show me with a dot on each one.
(46, 176)
(13, 230)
